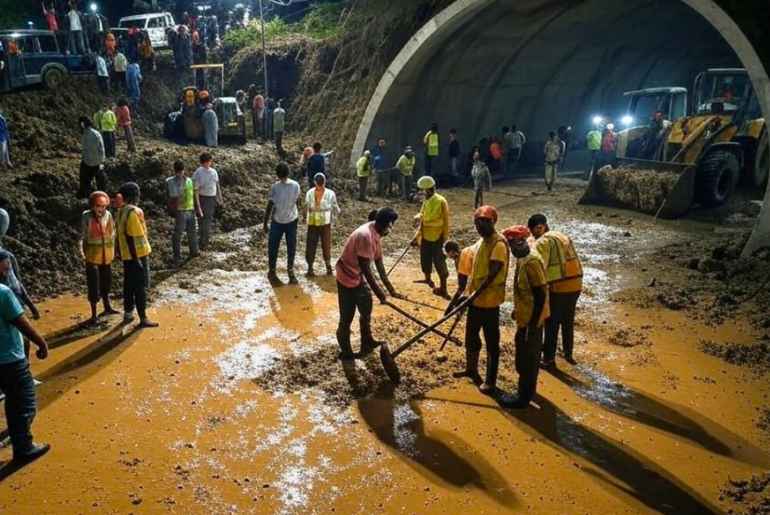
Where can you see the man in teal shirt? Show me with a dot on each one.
(16, 382)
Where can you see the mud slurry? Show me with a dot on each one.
(238, 403)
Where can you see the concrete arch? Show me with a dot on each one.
(439, 31)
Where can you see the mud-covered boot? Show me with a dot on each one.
(343, 339)
(368, 343)
(471, 367)
(490, 383)
(329, 269)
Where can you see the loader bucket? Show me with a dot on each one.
(665, 190)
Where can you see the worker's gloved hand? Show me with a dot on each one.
(383, 298)
(35, 314)
(415, 242)
(397, 295)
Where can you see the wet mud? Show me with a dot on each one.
(239, 404)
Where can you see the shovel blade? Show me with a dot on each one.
(389, 364)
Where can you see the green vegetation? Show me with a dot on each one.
(322, 21)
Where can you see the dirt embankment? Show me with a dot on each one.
(327, 85)
(40, 192)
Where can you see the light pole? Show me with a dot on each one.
(264, 51)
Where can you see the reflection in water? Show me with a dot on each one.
(400, 426)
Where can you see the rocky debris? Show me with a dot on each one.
(750, 496)
(628, 337)
(755, 356)
(639, 189)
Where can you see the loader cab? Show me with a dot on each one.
(721, 91)
(649, 113)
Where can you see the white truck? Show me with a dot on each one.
(156, 25)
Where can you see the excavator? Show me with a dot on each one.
(699, 158)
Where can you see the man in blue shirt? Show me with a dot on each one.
(15, 378)
(316, 164)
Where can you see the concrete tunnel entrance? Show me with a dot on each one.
(482, 64)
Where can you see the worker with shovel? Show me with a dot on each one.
(487, 275)
(361, 248)
(432, 232)
(530, 301)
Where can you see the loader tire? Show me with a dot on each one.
(761, 163)
(716, 179)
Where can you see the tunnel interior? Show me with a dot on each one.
(541, 64)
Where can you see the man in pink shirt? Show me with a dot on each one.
(361, 248)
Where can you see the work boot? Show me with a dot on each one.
(128, 318)
(310, 273)
(33, 453)
(489, 387)
(571, 360)
(548, 364)
(471, 367)
(272, 277)
(146, 322)
(292, 277)
(513, 401)
(329, 269)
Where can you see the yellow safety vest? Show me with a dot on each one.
(141, 243)
(523, 298)
(99, 238)
(494, 294)
(434, 216)
(563, 268)
(431, 141)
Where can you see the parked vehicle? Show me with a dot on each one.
(33, 57)
(155, 24)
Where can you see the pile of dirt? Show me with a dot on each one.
(751, 496)
(756, 355)
(638, 189)
(629, 337)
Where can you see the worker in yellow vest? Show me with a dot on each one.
(487, 274)
(432, 231)
(530, 311)
(97, 247)
(564, 272)
(431, 143)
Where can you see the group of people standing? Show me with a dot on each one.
(546, 287)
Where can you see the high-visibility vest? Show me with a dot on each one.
(562, 262)
(431, 142)
(99, 239)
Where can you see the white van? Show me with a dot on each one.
(155, 24)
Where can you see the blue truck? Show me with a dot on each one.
(29, 56)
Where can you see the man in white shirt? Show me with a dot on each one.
(76, 43)
(281, 217)
(514, 142)
(322, 207)
(207, 195)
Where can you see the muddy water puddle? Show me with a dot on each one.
(237, 404)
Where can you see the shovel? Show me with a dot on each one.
(419, 322)
(403, 254)
(388, 359)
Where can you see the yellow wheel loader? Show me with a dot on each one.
(697, 159)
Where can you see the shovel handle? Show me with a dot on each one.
(399, 259)
(433, 326)
(451, 330)
(419, 322)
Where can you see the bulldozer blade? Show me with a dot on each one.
(665, 190)
(389, 364)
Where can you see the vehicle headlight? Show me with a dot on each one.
(627, 120)
(597, 120)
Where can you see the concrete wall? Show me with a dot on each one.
(481, 64)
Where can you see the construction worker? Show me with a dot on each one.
(463, 260)
(564, 273)
(530, 301)
(405, 167)
(381, 170)
(322, 207)
(106, 123)
(487, 274)
(210, 126)
(361, 248)
(135, 251)
(180, 190)
(279, 126)
(431, 142)
(97, 248)
(92, 160)
(553, 149)
(432, 232)
(363, 171)
(594, 145)
(609, 145)
(16, 383)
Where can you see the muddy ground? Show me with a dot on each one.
(237, 404)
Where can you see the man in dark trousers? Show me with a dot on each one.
(16, 382)
(354, 265)
(486, 279)
(564, 273)
(530, 304)
(92, 160)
